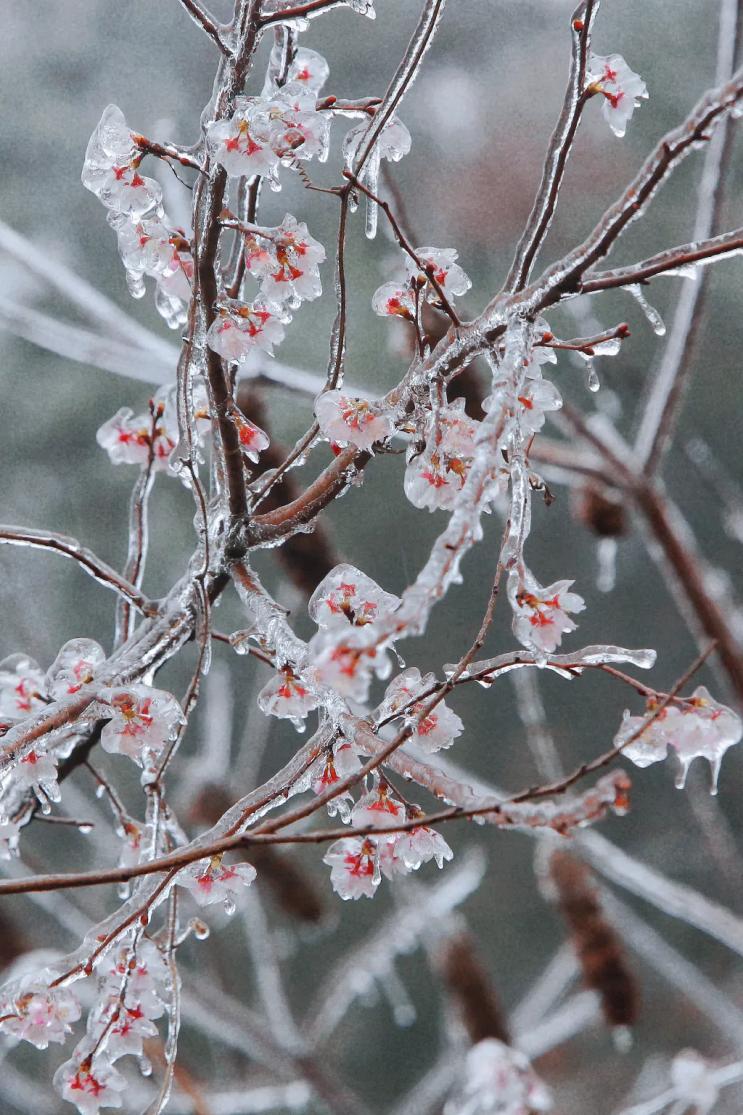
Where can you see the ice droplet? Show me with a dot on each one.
(592, 379)
(84, 829)
(654, 319)
(229, 906)
(145, 1065)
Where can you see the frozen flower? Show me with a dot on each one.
(438, 728)
(129, 440)
(127, 1035)
(37, 771)
(253, 440)
(336, 766)
(145, 970)
(238, 329)
(9, 832)
(90, 1084)
(132, 834)
(352, 867)
(347, 596)
(111, 168)
(142, 721)
(541, 614)
(298, 131)
(621, 88)
(286, 263)
(446, 271)
(347, 662)
(421, 845)
(242, 143)
(74, 666)
(22, 687)
(699, 727)
(394, 300)
(379, 809)
(694, 1082)
(33, 1011)
(435, 477)
(498, 1080)
(392, 143)
(212, 881)
(345, 420)
(308, 70)
(286, 696)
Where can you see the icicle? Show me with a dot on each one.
(654, 319)
(371, 180)
(592, 379)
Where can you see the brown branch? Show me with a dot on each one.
(207, 23)
(166, 150)
(672, 259)
(558, 151)
(312, 7)
(85, 558)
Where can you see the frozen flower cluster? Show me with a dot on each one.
(142, 722)
(133, 988)
(34, 1010)
(433, 730)
(357, 863)
(621, 88)
(148, 244)
(498, 1080)
(240, 327)
(532, 397)
(345, 420)
(148, 439)
(542, 614)
(286, 262)
(697, 727)
(439, 269)
(437, 471)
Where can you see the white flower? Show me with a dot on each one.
(38, 771)
(421, 845)
(394, 299)
(22, 687)
(346, 662)
(128, 439)
(435, 477)
(446, 271)
(90, 1086)
(145, 973)
(286, 696)
(238, 329)
(352, 867)
(253, 440)
(699, 727)
(439, 728)
(346, 596)
(32, 1011)
(74, 666)
(286, 262)
(393, 142)
(242, 143)
(142, 721)
(541, 613)
(337, 766)
(621, 87)
(308, 70)
(211, 881)
(111, 168)
(498, 1080)
(345, 420)
(379, 809)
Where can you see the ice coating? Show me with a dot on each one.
(497, 1080)
(347, 597)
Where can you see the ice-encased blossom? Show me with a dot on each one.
(22, 687)
(286, 696)
(347, 660)
(435, 477)
(392, 143)
(211, 881)
(308, 70)
(378, 809)
(150, 247)
(436, 730)
(345, 420)
(298, 130)
(421, 845)
(242, 143)
(240, 328)
(128, 438)
(498, 1080)
(346, 596)
(394, 299)
(37, 771)
(286, 263)
(146, 973)
(336, 766)
(142, 721)
(692, 1079)
(253, 440)
(74, 666)
(621, 88)
(130, 1030)
(35, 1012)
(352, 863)
(541, 613)
(90, 1086)
(452, 279)
(111, 168)
(699, 727)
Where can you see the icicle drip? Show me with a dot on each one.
(371, 175)
(592, 379)
(606, 552)
(654, 319)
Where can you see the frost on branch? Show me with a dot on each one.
(498, 1080)
(621, 88)
(695, 727)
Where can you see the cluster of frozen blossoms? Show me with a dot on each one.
(693, 727)
(498, 1080)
